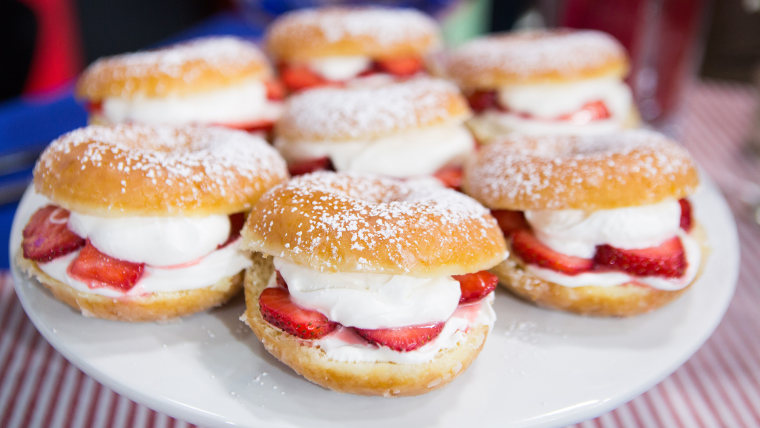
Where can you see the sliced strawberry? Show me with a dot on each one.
(402, 339)
(532, 251)
(510, 221)
(94, 107)
(99, 270)
(281, 281)
(305, 167)
(483, 100)
(279, 310)
(667, 260)
(299, 77)
(591, 111)
(47, 236)
(237, 221)
(402, 67)
(275, 90)
(450, 176)
(686, 216)
(476, 285)
(255, 126)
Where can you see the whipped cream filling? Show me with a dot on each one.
(548, 101)
(238, 104)
(339, 68)
(344, 345)
(577, 233)
(224, 262)
(692, 251)
(412, 153)
(371, 301)
(157, 241)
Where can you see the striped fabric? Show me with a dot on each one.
(718, 387)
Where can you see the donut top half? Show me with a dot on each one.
(137, 170)
(340, 222)
(624, 169)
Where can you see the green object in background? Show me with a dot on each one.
(467, 19)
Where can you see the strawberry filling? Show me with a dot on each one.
(278, 309)
(297, 77)
(237, 221)
(304, 167)
(481, 101)
(450, 176)
(94, 107)
(667, 260)
(99, 270)
(46, 236)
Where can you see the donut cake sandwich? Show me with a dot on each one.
(598, 225)
(376, 286)
(398, 129)
(139, 223)
(334, 45)
(223, 81)
(543, 82)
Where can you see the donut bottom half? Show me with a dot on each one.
(364, 378)
(616, 301)
(159, 306)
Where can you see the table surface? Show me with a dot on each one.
(718, 386)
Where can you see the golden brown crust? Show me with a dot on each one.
(370, 31)
(342, 114)
(191, 67)
(362, 223)
(622, 169)
(619, 301)
(157, 170)
(487, 128)
(532, 57)
(382, 378)
(156, 307)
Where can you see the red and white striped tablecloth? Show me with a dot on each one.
(718, 387)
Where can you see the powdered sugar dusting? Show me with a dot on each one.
(218, 53)
(189, 161)
(534, 52)
(355, 222)
(558, 172)
(361, 111)
(385, 26)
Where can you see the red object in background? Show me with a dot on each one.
(57, 54)
(661, 37)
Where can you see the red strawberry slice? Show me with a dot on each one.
(532, 251)
(99, 270)
(591, 111)
(237, 221)
(476, 285)
(402, 339)
(94, 107)
(299, 77)
(47, 236)
(667, 260)
(255, 126)
(279, 310)
(281, 281)
(275, 90)
(686, 216)
(402, 67)
(510, 221)
(305, 167)
(483, 100)
(450, 176)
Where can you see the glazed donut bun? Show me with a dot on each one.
(328, 46)
(376, 286)
(598, 225)
(142, 223)
(399, 129)
(543, 82)
(211, 81)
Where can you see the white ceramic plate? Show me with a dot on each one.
(538, 368)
